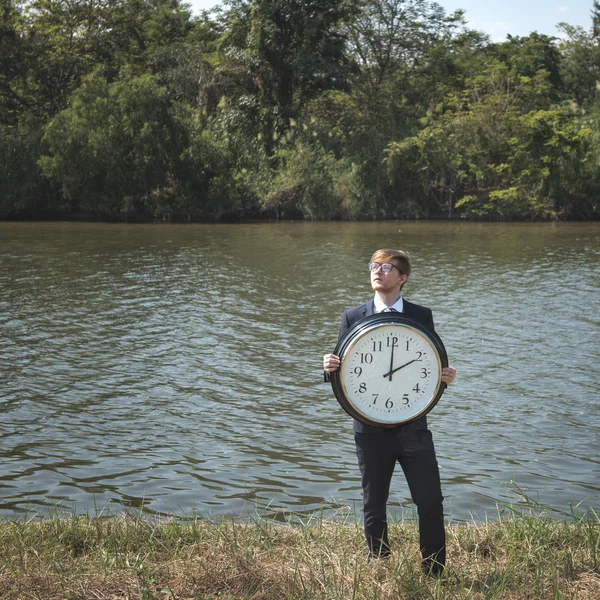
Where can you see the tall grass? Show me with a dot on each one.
(519, 556)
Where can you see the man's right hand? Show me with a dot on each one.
(331, 363)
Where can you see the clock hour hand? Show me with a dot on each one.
(392, 371)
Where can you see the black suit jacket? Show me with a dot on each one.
(352, 315)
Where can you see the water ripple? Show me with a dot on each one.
(177, 368)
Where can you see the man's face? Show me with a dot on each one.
(387, 282)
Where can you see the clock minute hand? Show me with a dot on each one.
(392, 371)
(391, 364)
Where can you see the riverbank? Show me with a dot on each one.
(268, 217)
(133, 557)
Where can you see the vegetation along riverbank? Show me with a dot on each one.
(321, 109)
(516, 557)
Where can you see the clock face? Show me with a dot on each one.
(391, 373)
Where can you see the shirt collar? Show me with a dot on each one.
(379, 305)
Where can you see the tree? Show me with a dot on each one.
(310, 108)
(496, 154)
(409, 55)
(529, 55)
(580, 64)
(391, 36)
(23, 190)
(48, 46)
(112, 150)
(14, 100)
(279, 54)
(596, 19)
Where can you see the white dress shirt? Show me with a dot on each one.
(380, 306)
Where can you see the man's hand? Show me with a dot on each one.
(448, 375)
(331, 363)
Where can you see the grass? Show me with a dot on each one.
(519, 556)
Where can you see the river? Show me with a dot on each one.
(177, 368)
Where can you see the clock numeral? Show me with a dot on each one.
(407, 345)
(366, 358)
(357, 371)
(389, 404)
(392, 341)
(362, 388)
(375, 399)
(424, 373)
(376, 346)
(417, 388)
(419, 357)
(405, 399)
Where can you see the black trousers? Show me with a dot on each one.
(412, 446)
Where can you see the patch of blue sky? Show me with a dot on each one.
(499, 18)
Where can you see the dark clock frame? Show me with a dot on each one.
(369, 323)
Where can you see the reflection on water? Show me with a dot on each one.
(178, 367)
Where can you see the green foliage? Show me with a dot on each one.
(278, 55)
(111, 150)
(210, 176)
(391, 38)
(12, 100)
(322, 109)
(580, 54)
(311, 183)
(21, 184)
(528, 56)
(495, 155)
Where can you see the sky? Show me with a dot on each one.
(498, 18)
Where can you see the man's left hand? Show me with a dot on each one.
(448, 375)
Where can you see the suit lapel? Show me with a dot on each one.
(369, 308)
(408, 309)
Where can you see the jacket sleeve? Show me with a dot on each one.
(429, 321)
(344, 326)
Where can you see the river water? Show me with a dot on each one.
(177, 368)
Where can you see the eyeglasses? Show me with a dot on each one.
(385, 267)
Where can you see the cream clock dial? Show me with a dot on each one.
(391, 370)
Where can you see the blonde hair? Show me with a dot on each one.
(400, 258)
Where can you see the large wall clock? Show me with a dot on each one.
(390, 371)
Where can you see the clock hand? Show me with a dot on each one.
(391, 364)
(392, 371)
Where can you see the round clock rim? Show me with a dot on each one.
(357, 339)
(363, 327)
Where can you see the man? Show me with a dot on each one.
(379, 448)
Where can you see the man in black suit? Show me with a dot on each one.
(379, 448)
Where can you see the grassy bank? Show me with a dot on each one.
(516, 557)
